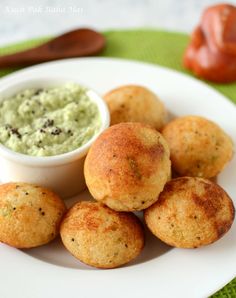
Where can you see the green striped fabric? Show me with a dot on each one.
(154, 46)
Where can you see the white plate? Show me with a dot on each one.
(160, 271)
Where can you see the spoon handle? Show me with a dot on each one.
(76, 43)
(23, 58)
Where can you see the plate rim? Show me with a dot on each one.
(122, 60)
(224, 99)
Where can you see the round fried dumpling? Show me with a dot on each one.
(127, 166)
(30, 215)
(198, 147)
(133, 103)
(190, 212)
(101, 237)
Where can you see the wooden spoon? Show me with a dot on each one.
(77, 43)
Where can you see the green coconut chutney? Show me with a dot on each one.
(46, 122)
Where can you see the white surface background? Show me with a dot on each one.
(25, 19)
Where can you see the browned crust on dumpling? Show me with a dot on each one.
(190, 212)
(127, 166)
(198, 146)
(30, 215)
(101, 237)
(133, 103)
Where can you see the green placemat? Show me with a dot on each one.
(158, 47)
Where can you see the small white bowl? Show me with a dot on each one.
(62, 173)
